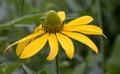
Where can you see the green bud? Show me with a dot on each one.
(52, 18)
(52, 22)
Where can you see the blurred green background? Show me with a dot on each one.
(18, 18)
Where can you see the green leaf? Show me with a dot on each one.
(9, 68)
(28, 71)
(113, 66)
(43, 72)
(50, 68)
(1, 65)
(24, 19)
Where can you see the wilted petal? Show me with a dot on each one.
(67, 44)
(35, 46)
(53, 46)
(83, 39)
(61, 14)
(25, 38)
(80, 21)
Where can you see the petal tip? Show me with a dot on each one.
(70, 57)
(104, 36)
(23, 57)
(89, 18)
(96, 51)
(48, 58)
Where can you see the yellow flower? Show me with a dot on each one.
(54, 30)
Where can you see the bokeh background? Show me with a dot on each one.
(18, 18)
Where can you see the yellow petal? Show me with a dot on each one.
(21, 46)
(53, 46)
(86, 29)
(80, 21)
(67, 44)
(83, 39)
(39, 28)
(25, 38)
(61, 14)
(34, 47)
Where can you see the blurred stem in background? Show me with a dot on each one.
(101, 41)
(22, 7)
(21, 30)
(57, 64)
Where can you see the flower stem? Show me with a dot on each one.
(57, 64)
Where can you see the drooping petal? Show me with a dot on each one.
(67, 44)
(83, 39)
(35, 46)
(80, 21)
(61, 14)
(21, 46)
(25, 38)
(86, 29)
(53, 46)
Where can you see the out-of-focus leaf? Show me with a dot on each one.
(2, 64)
(46, 5)
(96, 70)
(2, 42)
(73, 5)
(64, 64)
(43, 72)
(50, 67)
(79, 69)
(79, 58)
(9, 68)
(113, 63)
(93, 63)
(24, 19)
(28, 71)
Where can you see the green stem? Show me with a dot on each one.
(22, 7)
(98, 3)
(57, 64)
(99, 17)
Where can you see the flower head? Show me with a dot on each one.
(54, 30)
